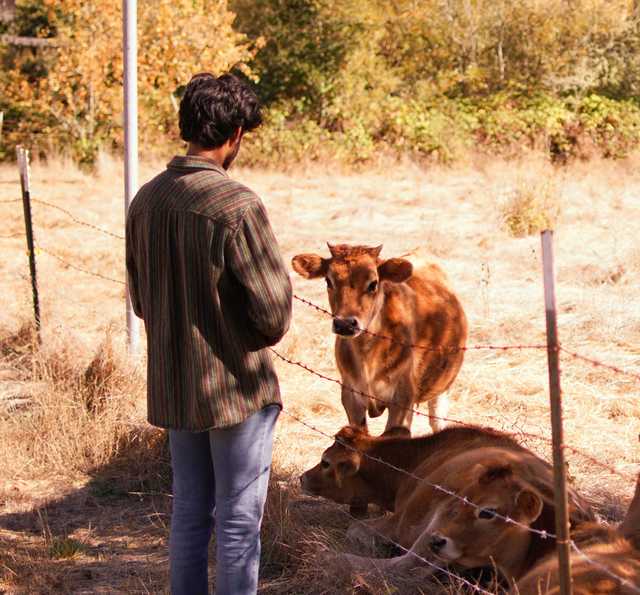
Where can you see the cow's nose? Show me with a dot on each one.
(437, 543)
(345, 326)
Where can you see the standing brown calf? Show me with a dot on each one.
(423, 320)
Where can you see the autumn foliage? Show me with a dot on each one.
(70, 95)
(341, 79)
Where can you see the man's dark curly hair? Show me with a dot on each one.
(212, 109)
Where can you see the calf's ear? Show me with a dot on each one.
(346, 469)
(529, 505)
(396, 270)
(310, 266)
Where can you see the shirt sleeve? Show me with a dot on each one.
(132, 273)
(254, 259)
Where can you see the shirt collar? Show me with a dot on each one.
(195, 162)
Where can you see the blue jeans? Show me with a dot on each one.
(225, 472)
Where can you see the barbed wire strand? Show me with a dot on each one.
(549, 441)
(598, 364)
(435, 486)
(420, 558)
(77, 268)
(76, 219)
(574, 450)
(602, 567)
(464, 500)
(454, 349)
(444, 349)
(11, 200)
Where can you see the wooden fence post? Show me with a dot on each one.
(555, 395)
(23, 165)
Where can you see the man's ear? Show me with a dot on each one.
(310, 266)
(237, 135)
(529, 506)
(396, 270)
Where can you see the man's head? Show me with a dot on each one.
(216, 112)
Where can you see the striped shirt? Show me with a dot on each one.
(206, 276)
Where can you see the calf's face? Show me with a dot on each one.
(473, 536)
(353, 275)
(336, 476)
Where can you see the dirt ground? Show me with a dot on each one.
(84, 499)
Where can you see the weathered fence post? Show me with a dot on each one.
(23, 164)
(555, 395)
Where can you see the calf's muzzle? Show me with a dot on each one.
(346, 327)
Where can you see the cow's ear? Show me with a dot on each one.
(396, 270)
(347, 468)
(310, 266)
(529, 506)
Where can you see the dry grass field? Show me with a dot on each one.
(84, 481)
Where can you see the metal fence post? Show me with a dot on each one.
(555, 394)
(23, 165)
(130, 47)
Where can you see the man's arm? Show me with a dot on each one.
(132, 273)
(255, 261)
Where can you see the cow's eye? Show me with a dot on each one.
(487, 513)
(329, 283)
(371, 288)
(324, 464)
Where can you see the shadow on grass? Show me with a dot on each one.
(107, 535)
(110, 535)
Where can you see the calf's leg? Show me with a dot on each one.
(438, 410)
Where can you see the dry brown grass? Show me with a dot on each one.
(84, 487)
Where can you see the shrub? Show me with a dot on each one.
(531, 207)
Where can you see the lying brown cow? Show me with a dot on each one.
(387, 298)
(611, 553)
(490, 469)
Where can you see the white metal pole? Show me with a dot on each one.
(130, 50)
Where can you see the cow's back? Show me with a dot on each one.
(440, 327)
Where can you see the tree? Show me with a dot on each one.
(76, 101)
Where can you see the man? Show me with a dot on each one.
(206, 275)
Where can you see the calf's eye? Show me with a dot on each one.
(371, 288)
(487, 513)
(324, 464)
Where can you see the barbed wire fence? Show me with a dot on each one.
(35, 248)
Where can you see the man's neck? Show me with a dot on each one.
(216, 155)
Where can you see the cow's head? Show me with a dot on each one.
(336, 476)
(473, 536)
(355, 276)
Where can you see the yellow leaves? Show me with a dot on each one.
(83, 89)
